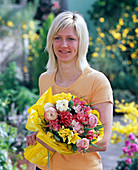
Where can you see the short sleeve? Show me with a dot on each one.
(101, 90)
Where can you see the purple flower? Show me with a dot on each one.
(134, 147)
(125, 149)
(131, 136)
(127, 143)
(130, 153)
(128, 161)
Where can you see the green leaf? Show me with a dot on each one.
(95, 145)
(98, 127)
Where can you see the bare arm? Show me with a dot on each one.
(106, 117)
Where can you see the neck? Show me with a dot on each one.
(67, 74)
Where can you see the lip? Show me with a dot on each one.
(64, 52)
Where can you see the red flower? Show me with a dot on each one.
(65, 118)
(54, 124)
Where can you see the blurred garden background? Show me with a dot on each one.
(113, 50)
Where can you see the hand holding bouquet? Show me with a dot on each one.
(65, 123)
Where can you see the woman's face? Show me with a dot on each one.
(66, 44)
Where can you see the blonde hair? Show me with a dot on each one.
(63, 20)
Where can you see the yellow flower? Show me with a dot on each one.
(123, 48)
(112, 76)
(30, 58)
(136, 30)
(101, 34)
(133, 55)
(131, 44)
(95, 54)
(32, 24)
(36, 55)
(123, 41)
(25, 70)
(64, 133)
(72, 138)
(25, 36)
(103, 55)
(118, 27)
(126, 15)
(127, 7)
(121, 22)
(10, 24)
(30, 47)
(108, 47)
(136, 9)
(24, 26)
(134, 16)
(128, 62)
(98, 29)
(61, 96)
(112, 56)
(101, 19)
(96, 49)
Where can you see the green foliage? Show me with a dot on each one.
(7, 138)
(38, 53)
(124, 94)
(114, 51)
(18, 14)
(110, 10)
(8, 79)
(25, 97)
(122, 165)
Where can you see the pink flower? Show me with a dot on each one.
(56, 5)
(78, 109)
(128, 160)
(90, 135)
(82, 144)
(131, 136)
(125, 149)
(92, 120)
(127, 143)
(50, 113)
(130, 153)
(76, 126)
(134, 147)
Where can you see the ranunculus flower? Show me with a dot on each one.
(50, 113)
(62, 105)
(82, 144)
(48, 105)
(128, 160)
(78, 109)
(76, 126)
(92, 120)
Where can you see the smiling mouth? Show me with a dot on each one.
(65, 52)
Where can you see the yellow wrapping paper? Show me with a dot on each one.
(38, 154)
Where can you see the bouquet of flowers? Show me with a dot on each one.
(64, 122)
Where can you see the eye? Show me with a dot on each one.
(71, 39)
(57, 38)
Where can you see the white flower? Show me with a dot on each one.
(48, 105)
(62, 105)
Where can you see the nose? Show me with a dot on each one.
(64, 43)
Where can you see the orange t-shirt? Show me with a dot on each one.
(95, 88)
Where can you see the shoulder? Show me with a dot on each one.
(44, 76)
(45, 81)
(95, 76)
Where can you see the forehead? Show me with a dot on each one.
(67, 31)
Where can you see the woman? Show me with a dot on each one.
(69, 71)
